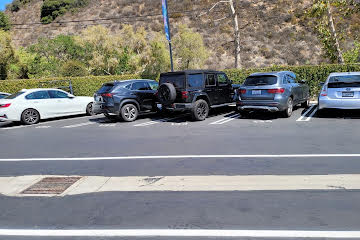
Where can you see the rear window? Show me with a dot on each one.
(106, 88)
(344, 81)
(15, 95)
(260, 80)
(178, 80)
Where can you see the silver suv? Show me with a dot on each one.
(274, 92)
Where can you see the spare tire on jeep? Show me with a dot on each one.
(167, 93)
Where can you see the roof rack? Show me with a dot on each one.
(59, 84)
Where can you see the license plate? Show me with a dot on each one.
(256, 92)
(348, 94)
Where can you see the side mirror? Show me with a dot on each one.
(302, 81)
(71, 96)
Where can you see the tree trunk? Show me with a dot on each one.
(333, 33)
(237, 35)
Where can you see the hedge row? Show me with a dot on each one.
(312, 74)
(86, 86)
(82, 86)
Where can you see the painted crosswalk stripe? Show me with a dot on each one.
(218, 233)
(79, 125)
(226, 119)
(303, 117)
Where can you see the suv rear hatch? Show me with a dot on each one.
(259, 88)
(104, 94)
(344, 87)
(179, 82)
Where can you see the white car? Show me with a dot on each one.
(31, 105)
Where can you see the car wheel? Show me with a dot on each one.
(306, 104)
(30, 116)
(167, 93)
(129, 112)
(289, 108)
(200, 110)
(89, 109)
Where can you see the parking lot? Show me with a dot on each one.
(300, 173)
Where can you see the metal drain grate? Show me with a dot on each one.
(51, 185)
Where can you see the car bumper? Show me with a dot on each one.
(261, 106)
(325, 102)
(179, 107)
(99, 108)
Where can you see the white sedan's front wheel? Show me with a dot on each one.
(89, 109)
(30, 116)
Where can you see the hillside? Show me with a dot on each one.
(272, 31)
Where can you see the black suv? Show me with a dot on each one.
(126, 99)
(196, 91)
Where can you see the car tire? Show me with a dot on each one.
(167, 93)
(289, 108)
(30, 116)
(306, 104)
(129, 112)
(89, 109)
(200, 111)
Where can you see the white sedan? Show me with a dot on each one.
(31, 105)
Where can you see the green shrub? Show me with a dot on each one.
(51, 9)
(83, 86)
(312, 74)
(74, 69)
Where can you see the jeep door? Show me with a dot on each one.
(144, 95)
(211, 88)
(225, 90)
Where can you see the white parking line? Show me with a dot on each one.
(221, 233)
(311, 115)
(158, 121)
(226, 119)
(79, 125)
(301, 119)
(290, 156)
(107, 125)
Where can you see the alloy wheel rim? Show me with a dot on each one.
(290, 107)
(130, 113)
(202, 110)
(30, 116)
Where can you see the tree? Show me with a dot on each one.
(7, 53)
(4, 22)
(236, 29)
(189, 49)
(23, 66)
(322, 11)
(159, 59)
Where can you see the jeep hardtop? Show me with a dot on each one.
(196, 91)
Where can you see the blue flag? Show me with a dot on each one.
(166, 19)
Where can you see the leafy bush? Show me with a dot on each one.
(83, 86)
(74, 69)
(16, 5)
(312, 74)
(51, 9)
(4, 22)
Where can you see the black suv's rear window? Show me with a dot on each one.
(260, 80)
(344, 81)
(106, 88)
(178, 80)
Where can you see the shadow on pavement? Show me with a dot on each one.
(338, 114)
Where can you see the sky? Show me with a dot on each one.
(3, 4)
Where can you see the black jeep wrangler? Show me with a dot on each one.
(196, 91)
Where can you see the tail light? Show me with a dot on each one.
(184, 94)
(324, 91)
(242, 91)
(107, 95)
(5, 105)
(277, 91)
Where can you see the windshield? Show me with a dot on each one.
(178, 80)
(344, 81)
(260, 80)
(15, 95)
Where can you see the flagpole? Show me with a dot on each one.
(167, 30)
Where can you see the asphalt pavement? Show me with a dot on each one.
(226, 144)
